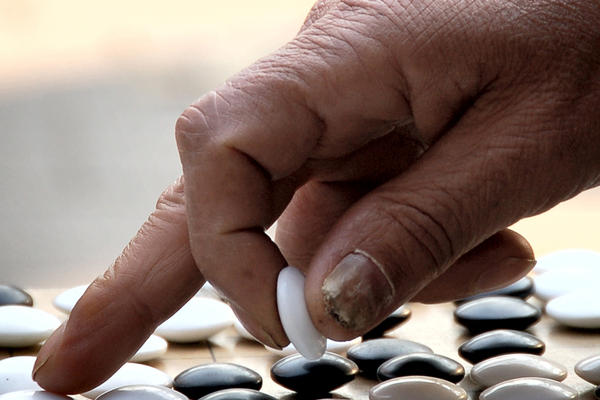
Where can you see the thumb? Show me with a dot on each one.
(486, 173)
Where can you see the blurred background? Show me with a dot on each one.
(89, 94)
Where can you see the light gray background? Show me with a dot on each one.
(81, 168)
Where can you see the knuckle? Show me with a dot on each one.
(172, 198)
(319, 9)
(414, 227)
(164, 217)
(337, 27)
(196, 125)
(278, 77)
(354, 42)
(192, 120)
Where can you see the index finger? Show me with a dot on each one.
(246, 147)
(154, 276)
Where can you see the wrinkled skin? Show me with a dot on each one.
(405, 134)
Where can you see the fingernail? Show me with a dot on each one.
(357, 291)
(511, 266)
(47, 350)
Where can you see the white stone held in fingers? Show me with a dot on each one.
(332, 346)
(294, 315)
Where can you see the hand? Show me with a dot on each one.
(394, 141)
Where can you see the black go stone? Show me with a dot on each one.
(369, 355)
(313, 376)
(203, 379)
(425, 364)
(597, 392)
(496, 312)
(393, 321)
(238, 394)
(523, 289)
(500, 341)
(12, 295)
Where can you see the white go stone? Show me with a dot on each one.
(339, 347)
(589, 369)
(153, 348)
(580, 309)
(567, 258)
(559, 282)
(15, 374)
(142, 392)
(33, 395)
(22, 326)
(131, 374)
(417, 388)
(529, 389)
(198, 319)
(511, 366)
(332, 346)
(294, 315)
(66, 300)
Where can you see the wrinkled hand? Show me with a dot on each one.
(394, 141)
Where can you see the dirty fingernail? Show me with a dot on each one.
(357, 291)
